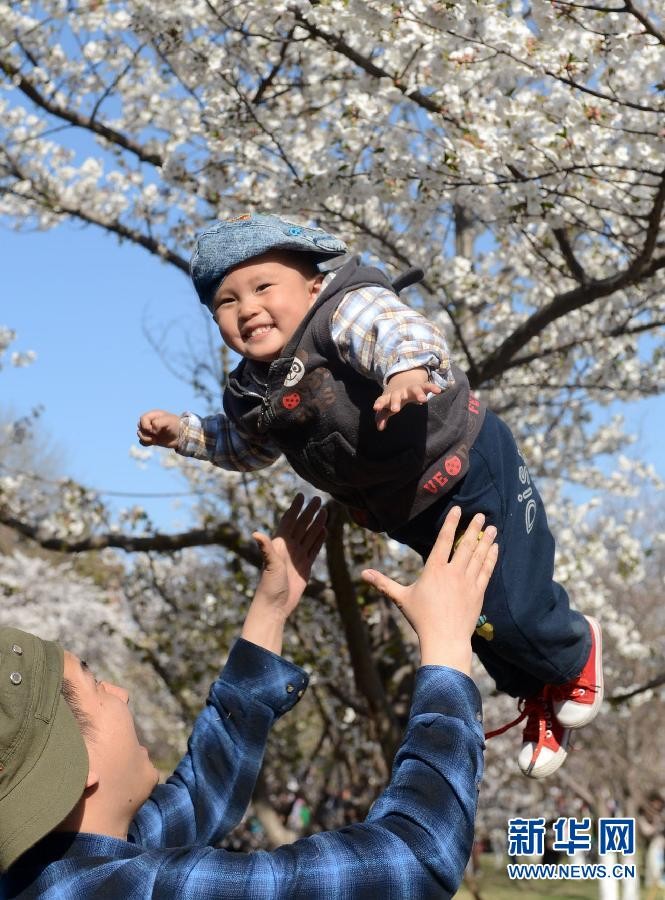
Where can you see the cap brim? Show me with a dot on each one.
(49, 791)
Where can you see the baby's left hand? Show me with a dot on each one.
(411, 386)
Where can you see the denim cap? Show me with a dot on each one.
(43, 759)
(233, 241)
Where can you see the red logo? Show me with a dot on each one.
(453, 465)
(474, 405)
(290, 401)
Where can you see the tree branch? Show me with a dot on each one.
(78, 120)
(642, 266)
(222, 535)
(339, 45)
(573, 263)
(617, 699)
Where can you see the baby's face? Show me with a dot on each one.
(260, 304)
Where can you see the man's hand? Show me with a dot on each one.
(443, 604)
(287, 563)
(411, 386)
(158, 427)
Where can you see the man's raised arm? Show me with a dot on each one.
(209, 792)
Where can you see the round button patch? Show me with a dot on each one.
(296, 372)
(290, 401)
(453, 465)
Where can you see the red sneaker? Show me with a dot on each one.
(544, 740)
(578, 701)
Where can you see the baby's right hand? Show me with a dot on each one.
(158, 427)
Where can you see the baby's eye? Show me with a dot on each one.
(263, 287)
(223, 301)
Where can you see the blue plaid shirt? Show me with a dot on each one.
(414, 843)
(376, 334)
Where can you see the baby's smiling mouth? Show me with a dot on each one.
(257, 332)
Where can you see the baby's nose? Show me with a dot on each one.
(247, 307)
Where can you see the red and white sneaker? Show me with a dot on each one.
(544, 739)
(578, 701)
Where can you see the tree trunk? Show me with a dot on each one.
(367, 680)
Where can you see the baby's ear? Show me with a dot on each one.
(315, 286)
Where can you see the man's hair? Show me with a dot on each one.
(73, 701)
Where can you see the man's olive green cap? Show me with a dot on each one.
(43, 760)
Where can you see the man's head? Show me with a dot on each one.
(120, 776)
(254, 258)
(69, 752)
(43, 758)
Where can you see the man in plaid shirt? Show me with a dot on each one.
(81, 817)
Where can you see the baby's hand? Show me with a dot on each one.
(158, 427)
(411, 386)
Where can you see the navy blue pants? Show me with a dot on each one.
(532, 637)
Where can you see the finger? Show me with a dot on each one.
(290, 517)
(440, 553)
(382, 418)
(316, 534)
(469, 541)
(432, 388)
(483, 577)
(481, 550)
(380, 402)
(396, 403)
(306, 518)
(314, 545)
(265, 546)
(386, 586)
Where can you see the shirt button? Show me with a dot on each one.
(16, 678)
(300, 693)
(18, 650)
(289, 689)
(479, 717)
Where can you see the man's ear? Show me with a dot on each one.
(92, 780)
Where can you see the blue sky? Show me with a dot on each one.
(81, 301)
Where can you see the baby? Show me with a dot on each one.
(359, 393)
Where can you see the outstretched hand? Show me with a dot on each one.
(289, 555)
(158, 427)
(412, 386)
(443, 604)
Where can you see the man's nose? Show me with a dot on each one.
(118, 691)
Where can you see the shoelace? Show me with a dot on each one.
(530, 709)
(561, 692)
(538, 714)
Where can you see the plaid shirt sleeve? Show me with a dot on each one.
(417, 838)
(219, 442)
(379, 336)
(209, 791)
